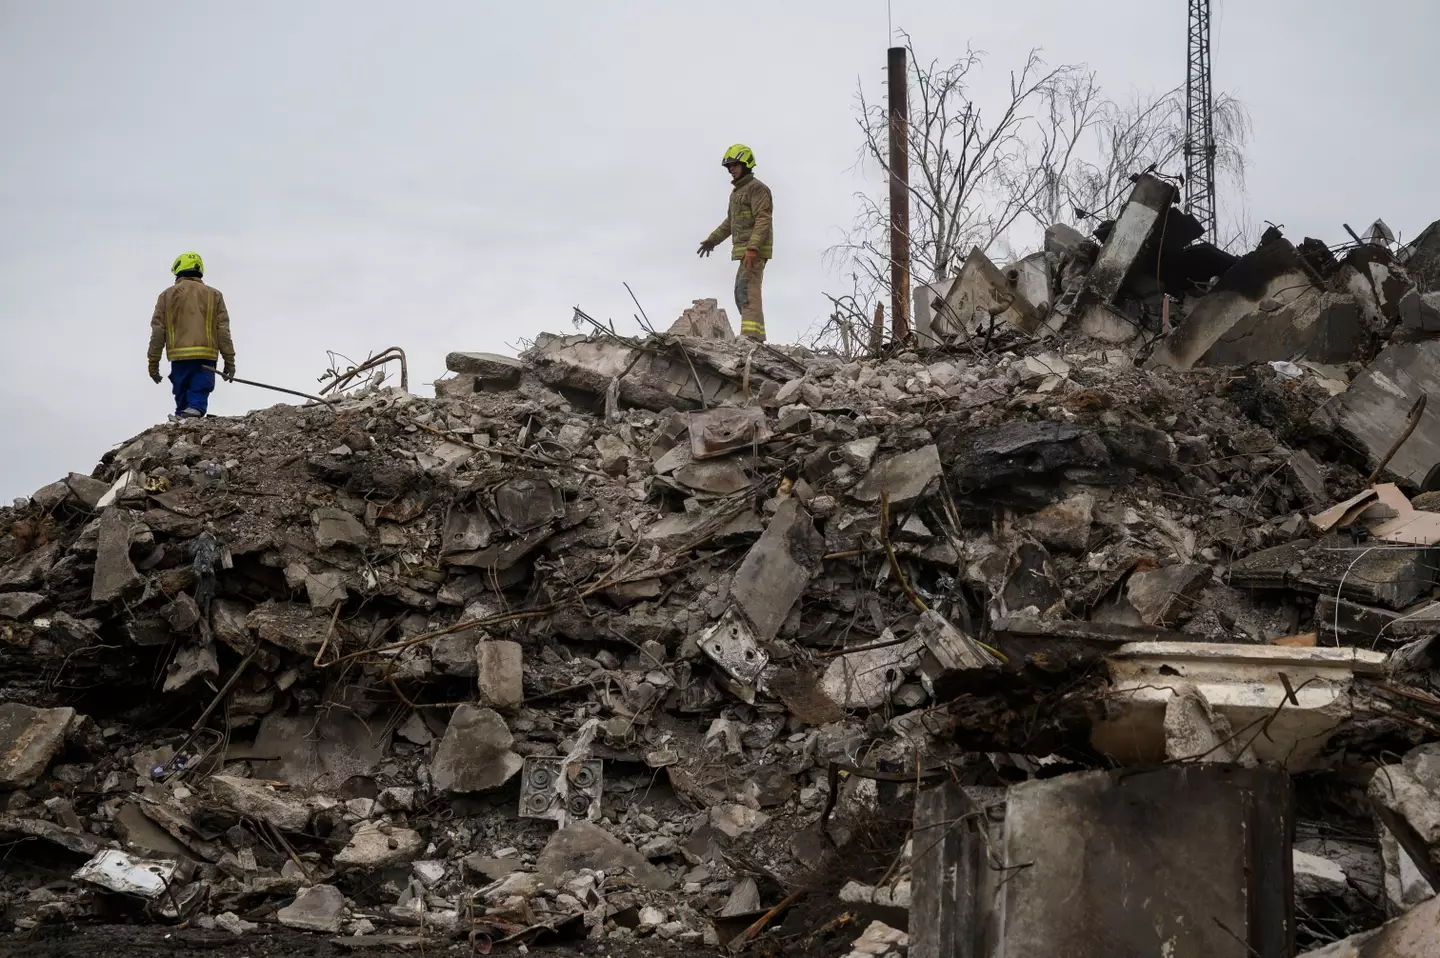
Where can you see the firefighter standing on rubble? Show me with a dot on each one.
(748, 224)
(193, 328)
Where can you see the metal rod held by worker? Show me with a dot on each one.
(899, 194)
(278, 389)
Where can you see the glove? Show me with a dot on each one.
(706, 248)
(750, 257)
(228, 372)
(155, 375)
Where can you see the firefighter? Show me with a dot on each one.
(752, 238)
(192, 326)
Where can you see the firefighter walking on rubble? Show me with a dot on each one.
(192, 326)
(752, 238)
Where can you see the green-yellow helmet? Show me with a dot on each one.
(190, 260)
(739, 153)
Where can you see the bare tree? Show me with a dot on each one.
(1105, 143)
(1056, 151)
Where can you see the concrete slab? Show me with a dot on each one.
(1373, 411)
(1139, 218)
(904, 477)
(500, 670)
(587, 845)
(474, 755)
(981, 289)
(777, 569)
(29, 739)
(114, 572)
(1241, 683)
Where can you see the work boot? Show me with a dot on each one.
(191, 413)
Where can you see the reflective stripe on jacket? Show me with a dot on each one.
(749, 220)
(190, 322)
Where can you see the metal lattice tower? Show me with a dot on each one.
(1199, 121)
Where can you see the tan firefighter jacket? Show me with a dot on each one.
(748, 221)
(190, 322)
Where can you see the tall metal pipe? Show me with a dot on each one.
(898, 83)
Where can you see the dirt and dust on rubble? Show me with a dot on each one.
(1098, 617)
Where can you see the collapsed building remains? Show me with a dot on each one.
(1121, 579)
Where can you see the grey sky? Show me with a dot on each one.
(457, 175)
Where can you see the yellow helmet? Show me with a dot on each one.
(739, 153)
(187, 261)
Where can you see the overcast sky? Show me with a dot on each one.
(457, 175)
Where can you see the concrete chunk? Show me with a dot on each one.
(904, 477)
(490, 367)
(1372, 412)
(258, 800)
(474, 755)
(868, 679)
(500, 666)
(587, 845)
(777, 569)
(114, 572)
(377, 844)
(335, 527)
(1162, 595)
(318, 908)
(29, 739)
(1065, 525)
(1316, 876)
(18, 605)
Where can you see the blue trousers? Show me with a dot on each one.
(192, 383)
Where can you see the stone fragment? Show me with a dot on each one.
(718, 477)
(500, 667)
(860, 453)
(233, 923)
(1066, 524)
(317, 908)
(191, 662)
(736, 820)
(293, 627)
(18, 605)
(879, 940)
(1161, 596)
(454, 654)
(744, 899)
(1316, 876)
(868, 679)
(492, 869)
(904, 477)
(777, 569)
(89, 491)
(528, 502)
(377, 844)
(717, 431)
(704, 319)
(335, 527)
(114, 572)
(587, 845)
(258, 800)
(29, 739)
(474, 755)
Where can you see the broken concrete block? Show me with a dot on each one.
(528, 502)
(1373, 411)
(879, 940)
(258, 800)
(318, 908)
(705, 319)
(192, 661)
(1161, 596)
(1141, 215)
(904, 477)
(335, 527)
(868, 679)
(474, 755)
(1066, 524)
(490, 367)
(18, 605)
(744, 899)
(1317, 877)
(294, 627)
(1411, 790)
(89, 491)
(1240, 682)
(1405, 884)
(587, 845)
(29, 739)
(500, 667)
(978, 294)
(114, 572)
(736, 820)
(1035, 368)
(1421, 310)
(1415, 934)
(952, 648)
(717, 477)
(720, 430)
(378, 844)
(860, 453)
(1195, 732)
(777, 569)
(454, 654)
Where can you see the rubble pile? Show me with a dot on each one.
(632, 638)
